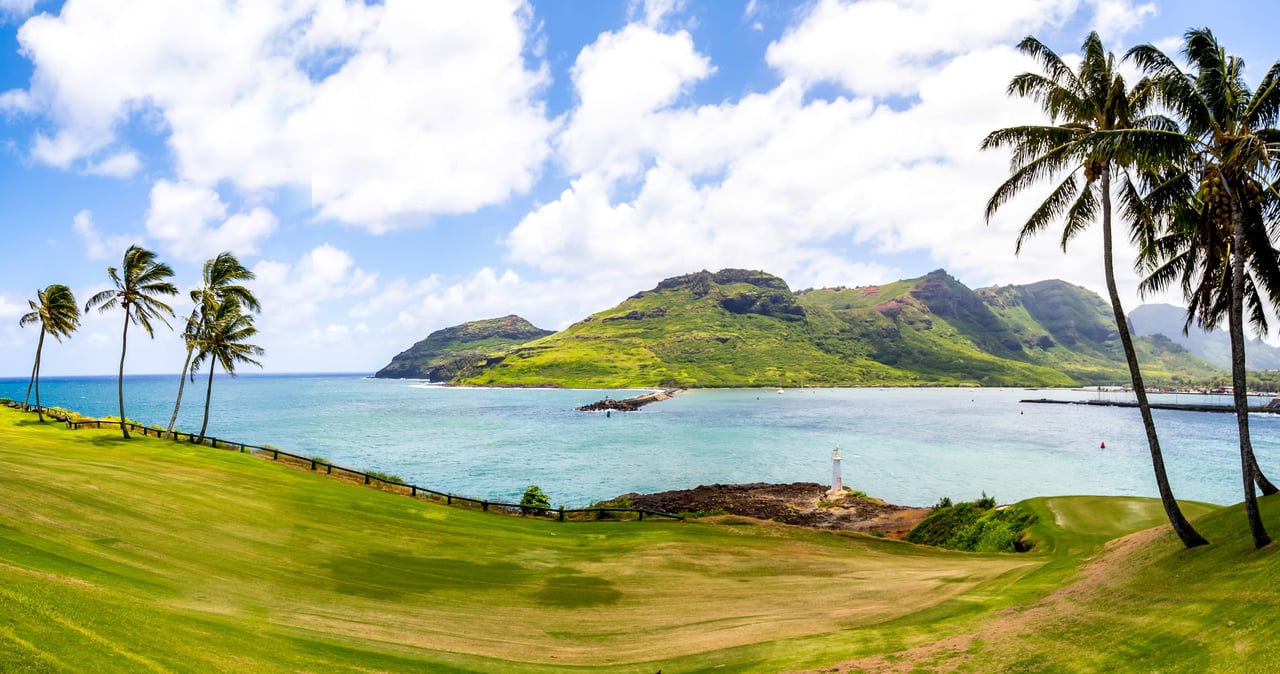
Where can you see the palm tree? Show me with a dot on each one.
(139, 282)
(1229, 144)
(1083, 108)
(222, 342)
(56, 311)
(221, 275)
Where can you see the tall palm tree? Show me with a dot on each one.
(222, 341)
(1229, 144)
(56, 311)
(1083, 107)
(139, 283)
(220, 281)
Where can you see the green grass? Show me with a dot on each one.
(149, 555)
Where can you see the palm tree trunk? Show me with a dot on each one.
(1239, 386)
(124, 341)
(181, 384)
(208, 395)
(35, 375)
(31, 382)
(1187, 533)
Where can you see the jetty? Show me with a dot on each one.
(629, 404)
(1272, 407)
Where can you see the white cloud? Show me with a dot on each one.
(1113, 18)
(119, 165)
(623, 80)
(97, 246)
(779, 181)
(183, 216)
(374, 110)
(654, 12)
(885, 47)
(14, 9)
(10, 309)
(17, 101)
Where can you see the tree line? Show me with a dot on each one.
(216, 332)
(1190, 162)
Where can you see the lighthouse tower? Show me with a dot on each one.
(837, 486)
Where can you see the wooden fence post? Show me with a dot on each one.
(561, 513)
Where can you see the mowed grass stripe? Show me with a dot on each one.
(207, 559)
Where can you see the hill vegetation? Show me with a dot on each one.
(747, 328)
(149, 555)
(445, 354)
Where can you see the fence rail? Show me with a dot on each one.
(316, 464)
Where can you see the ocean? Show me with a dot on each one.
(907, 446)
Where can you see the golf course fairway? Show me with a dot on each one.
(151, 555)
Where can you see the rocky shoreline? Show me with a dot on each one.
(799, 503)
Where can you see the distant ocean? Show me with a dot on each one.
(908, 446)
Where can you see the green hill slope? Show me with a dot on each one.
(445, 353)
(148, 555)
(746, 328)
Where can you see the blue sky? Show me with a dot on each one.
(392, 168)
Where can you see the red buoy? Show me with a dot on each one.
(1103, 445)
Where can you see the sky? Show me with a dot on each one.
(391, 168)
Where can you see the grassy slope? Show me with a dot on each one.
(693, 342)
(931, 330)
(148, 555)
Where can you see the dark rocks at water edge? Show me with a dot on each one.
(800, 503)
(629, 404)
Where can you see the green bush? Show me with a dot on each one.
(534, 501)
(386, 477)
(974, 526)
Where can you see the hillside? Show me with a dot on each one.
(147, 555)
(442, 355)
(1213, 346)
(747, 328)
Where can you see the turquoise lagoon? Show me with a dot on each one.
(909, 446)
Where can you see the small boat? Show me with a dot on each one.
(779, 391)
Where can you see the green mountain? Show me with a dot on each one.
(442, 355)
(1211, 345)
(747, 328)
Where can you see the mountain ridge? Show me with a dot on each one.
(739, 327)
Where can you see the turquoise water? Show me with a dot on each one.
(908, 446)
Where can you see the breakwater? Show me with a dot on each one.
(1270, 408)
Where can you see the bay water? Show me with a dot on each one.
(907, 446)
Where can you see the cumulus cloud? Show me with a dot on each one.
(781, 180)
(623, 80)
(884, 48)
(191, 220)
(372, 109)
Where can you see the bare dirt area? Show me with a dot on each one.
(800, 503)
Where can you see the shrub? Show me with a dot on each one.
(974, 526)
(385, 477)
(534, 501)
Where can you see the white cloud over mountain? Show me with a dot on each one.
(858, 144)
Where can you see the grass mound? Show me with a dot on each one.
(975, 526)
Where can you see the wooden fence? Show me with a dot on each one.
(414, 491)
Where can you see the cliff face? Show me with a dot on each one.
(444, 354)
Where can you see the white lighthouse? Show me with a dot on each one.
(837, 486)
